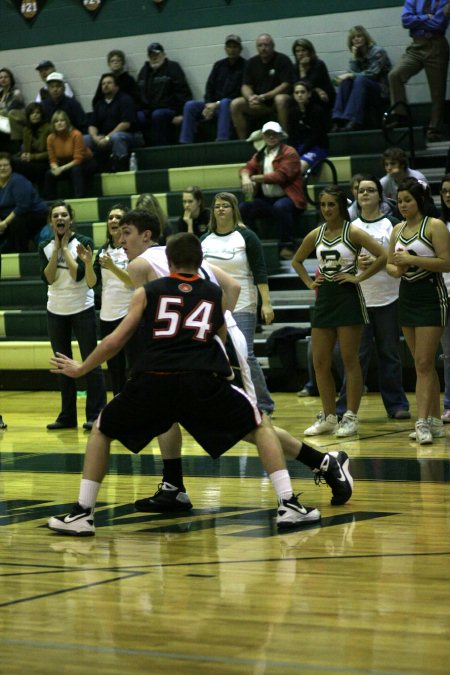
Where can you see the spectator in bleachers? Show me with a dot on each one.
(3, 424)
(57, 99)
(12, 110)
(429, 50)
(113, 129)
(22, 212)
(117, 65)
(149, 202)
(164, 91)
(44, 68)
(70, 307)
(32, 161)
(309, 123)
(267, 83)
(395, 162)
(237, 250)
(365, 85)
(223, 85)
(110, 268)
(68, 156)
(195, 216)
(309, 67)
(272, 182)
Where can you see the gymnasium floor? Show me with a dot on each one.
(219, 590)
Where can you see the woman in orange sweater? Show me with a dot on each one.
(67, 154)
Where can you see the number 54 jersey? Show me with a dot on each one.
(180, 325)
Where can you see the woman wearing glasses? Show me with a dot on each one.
(445, 339)
(419, 252)
(381, 297)
(237, 250)
(340, 311)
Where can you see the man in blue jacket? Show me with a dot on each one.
(429, 50)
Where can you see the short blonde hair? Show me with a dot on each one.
(359, 30)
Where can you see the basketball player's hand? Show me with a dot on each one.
(62, 365)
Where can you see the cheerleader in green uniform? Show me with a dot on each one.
(340, 312)
(419, 253)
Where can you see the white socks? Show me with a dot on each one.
(88, 493)
(282, 485)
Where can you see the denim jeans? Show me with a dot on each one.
(353, 97)
(445, 344)
(122, 142)
(77, 175)
(384, 329)
(281, 209)
(60, 329)
(192, 114)
(161, 125)
(246, 322)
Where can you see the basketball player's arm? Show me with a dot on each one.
(306, 248)
(108, 347)
(141, 272)
(393, 269)
(230, 287)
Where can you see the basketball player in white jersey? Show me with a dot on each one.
(148, 262)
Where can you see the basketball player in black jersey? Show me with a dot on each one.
(140, 235)
(181, 373)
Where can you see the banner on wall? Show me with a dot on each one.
(93, 6)
(29, 10)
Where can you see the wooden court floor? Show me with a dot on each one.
(219, 590)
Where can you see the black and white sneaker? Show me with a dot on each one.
(291, 513)
(167, 499)
(78, 523)
(335, 472)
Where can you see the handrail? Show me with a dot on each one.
(388, 127)
(311, 171)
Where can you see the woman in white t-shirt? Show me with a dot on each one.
(381, 297)
(110, 267)
(70, 308)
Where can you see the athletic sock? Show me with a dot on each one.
(281, 482)
(173, 473)
(88, 493)
(310, 456)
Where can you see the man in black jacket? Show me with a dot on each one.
(164, 91)
(58, 100)
(224, 84)
(113, 127)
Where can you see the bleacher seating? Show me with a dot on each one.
(24, 346)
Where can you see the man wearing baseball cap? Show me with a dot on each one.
(223, 84)
(58, 100)
(164, 91)
(272, 181)
(44, 68)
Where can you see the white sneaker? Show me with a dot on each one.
(423, 432)
(348, 425)
(78, 523)
(436, 427)
(291, 513)
(322, 425)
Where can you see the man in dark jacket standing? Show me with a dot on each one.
(164, 91)
(223, 84)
